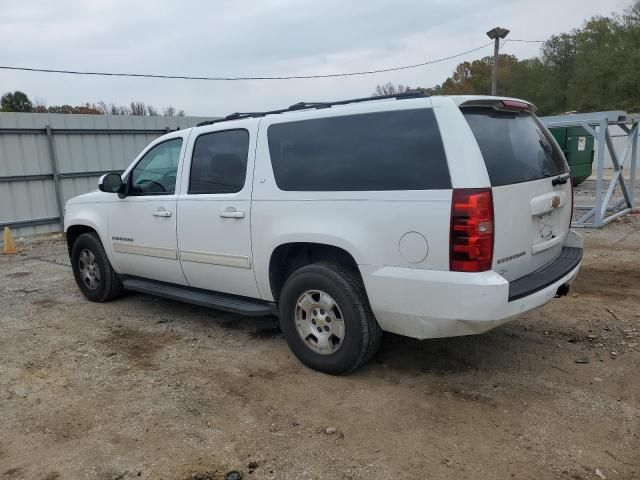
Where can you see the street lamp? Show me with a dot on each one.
(496, 34)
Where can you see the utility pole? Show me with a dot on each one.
(496, 34)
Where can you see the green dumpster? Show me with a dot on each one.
(577, 146)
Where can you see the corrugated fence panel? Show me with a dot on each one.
(24, 154)
(82, 144)
(28, 200)
(72, 187)
(97, 152)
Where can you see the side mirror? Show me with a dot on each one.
(110, 183)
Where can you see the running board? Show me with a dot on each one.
(220, 301)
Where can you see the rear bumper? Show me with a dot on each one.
(431, 304)
(569, 259)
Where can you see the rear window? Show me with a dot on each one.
(394, 150)
(515, 146)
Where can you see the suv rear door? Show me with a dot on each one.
(214, 209)
(532, 197)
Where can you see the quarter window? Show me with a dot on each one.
(155, 173)
(393, 150)
(219, 163)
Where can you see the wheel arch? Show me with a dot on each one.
(79, 226)
(289, 257)
(75, 230)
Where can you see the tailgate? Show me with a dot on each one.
(532, 196)
(531, 225)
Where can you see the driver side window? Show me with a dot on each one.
(156, 172)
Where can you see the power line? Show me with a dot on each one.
(504, 42)
(229, 78)
(526, 41)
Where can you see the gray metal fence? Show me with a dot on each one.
(45, 159)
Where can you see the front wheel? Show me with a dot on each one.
(95, 276)
(326, 318)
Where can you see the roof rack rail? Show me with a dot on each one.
(305, 105)
(317, 105)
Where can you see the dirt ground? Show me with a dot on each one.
(154, 389)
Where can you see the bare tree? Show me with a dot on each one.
(134, 108)
(138, 109)
(169, 111)
(113, 109)
(390, 89)
(103, 107)
(40, 105)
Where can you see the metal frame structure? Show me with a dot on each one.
(597, 124)
(56, 176)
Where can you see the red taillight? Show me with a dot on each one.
(471, 243)
(514, 105)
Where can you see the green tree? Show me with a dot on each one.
(16, 102)
(591, 68)
(627, 77)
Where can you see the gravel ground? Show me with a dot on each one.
(154, 389)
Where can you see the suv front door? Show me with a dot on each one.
(142, 225)
(214, 212)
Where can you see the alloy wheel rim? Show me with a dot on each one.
(89, 270)
(319, 322)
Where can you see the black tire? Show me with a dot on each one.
(361, 330)
(109, 286)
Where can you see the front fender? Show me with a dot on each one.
(94, 216)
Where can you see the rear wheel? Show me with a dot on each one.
(326, 318)
(95, 276)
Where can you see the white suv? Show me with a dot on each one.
(423, 216)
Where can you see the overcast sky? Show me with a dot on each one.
(259, 37)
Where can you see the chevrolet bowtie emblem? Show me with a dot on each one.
(555, 201)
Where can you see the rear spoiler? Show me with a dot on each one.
(506, 105)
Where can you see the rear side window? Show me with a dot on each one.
(219, 163)
(395, 150)
(515, 146)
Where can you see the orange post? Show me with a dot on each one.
(9, 244)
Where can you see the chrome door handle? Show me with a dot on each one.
(161, 212)
(232, 213)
